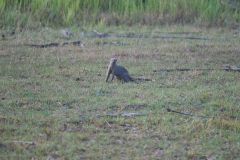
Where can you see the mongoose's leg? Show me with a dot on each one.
(108, 74)
(109, 71)
(112, 76)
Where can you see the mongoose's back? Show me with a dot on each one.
(121, 73)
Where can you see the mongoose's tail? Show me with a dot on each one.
(128, 78)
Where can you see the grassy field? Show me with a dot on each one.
(55, 103)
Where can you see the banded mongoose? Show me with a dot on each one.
(119, 71)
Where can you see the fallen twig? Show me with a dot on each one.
(146, 35)
(123, 114)
(108, 124)
(112, 43)
(75, 43)
(225, 68)
(24, 142)
(187, 114)
(142, 79)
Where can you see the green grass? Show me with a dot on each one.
(57, 97)
(26, 13)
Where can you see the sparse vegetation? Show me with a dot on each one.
(55, 103)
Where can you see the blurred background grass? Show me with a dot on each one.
(35, 13)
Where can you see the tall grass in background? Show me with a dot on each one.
(23, 13)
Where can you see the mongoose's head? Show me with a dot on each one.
(113, 61)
